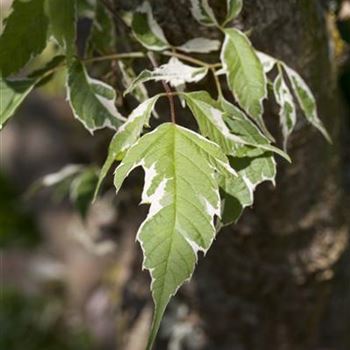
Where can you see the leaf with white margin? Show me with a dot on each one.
(245, 74)
(203, 13)
(146, 29)
(12, 93)
(238, 194)
(24, 36)
(267, 61)
(234, 8)
(92, 101)
(306, 100)
(63, 20)
(126, 136)
(174, 72)
(181, 186)
(284, 99)
(240, 125)
(200, 45)
(255, 165)
(211, 118)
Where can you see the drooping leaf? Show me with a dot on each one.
(245, 74)
(212, 117)
(203, 13)
(285, 100)
(126, 136)
(306, 100)
(234, 8)
(240, 125)
(200, 45)
(92, 101)
(255, 165)
(24, 35)
(128, 76)
(82, 189)
(181, 186)
(174, 72)
(102, 36)
(62, 16)
(12, 93)
(146, 29)
(210, 120)
(237, 195)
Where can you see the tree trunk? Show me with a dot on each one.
(266, 281)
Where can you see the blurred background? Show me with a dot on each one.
(71, 274)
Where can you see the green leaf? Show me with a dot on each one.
(234, 8)
(210, 120)
(284, 99)
(212, 117)
(24, 35)
(306, 100)
(92, 101)
(126, 136)
(238, 195)
(200, 45)
(240, 125)
(174, 72)
(181, 186)
(255, 165)
(203, 13)
(102, 36)
(146, 29)
(63, 17)
(245, 74)
(82, 189)
(12, 93)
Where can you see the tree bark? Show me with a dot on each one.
(266, 281)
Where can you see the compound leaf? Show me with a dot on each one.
(92, 101)
(24, 35)
(181, 186)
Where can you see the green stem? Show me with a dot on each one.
(116, 56)
(217, 83)
(191, 59)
